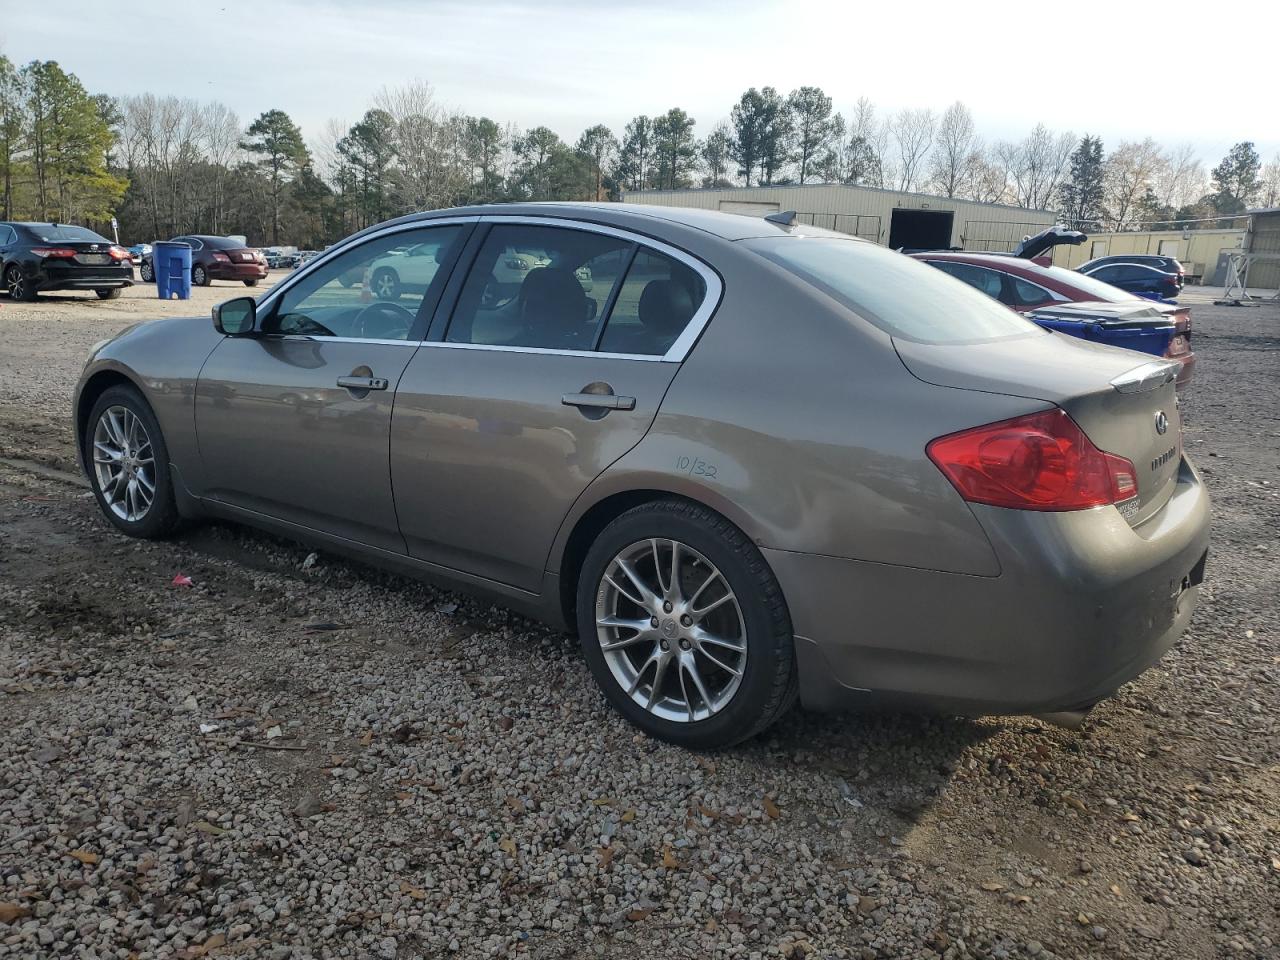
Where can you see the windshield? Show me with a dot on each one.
(64, 233)
(901, 296)
(222, 243)
(1095, 288)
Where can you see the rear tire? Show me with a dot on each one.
(123, 409)
(109, 293)
(385, 284)
(708, 706)
(199, 276)
(18, 284)
(251, 283)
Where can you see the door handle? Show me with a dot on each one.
(363, 383)
(599, 401)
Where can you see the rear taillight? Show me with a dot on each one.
(221, 257)
(1042, 461)
(62, 253)
(1177, 346)
(119, 253)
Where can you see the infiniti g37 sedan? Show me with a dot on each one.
(750, 462)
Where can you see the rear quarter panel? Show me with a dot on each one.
(797, 421)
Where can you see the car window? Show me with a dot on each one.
(64, 233)
(535, 286)
(657, 300)
(902, 296)
(371, 291)
(980, 278)
(1028, 294)
(1108, 274)
(7, 235)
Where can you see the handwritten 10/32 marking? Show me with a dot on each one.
(696, 467)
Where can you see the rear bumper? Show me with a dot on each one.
(237, 271)
(80, 277)
(1083, 604)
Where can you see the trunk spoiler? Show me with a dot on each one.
(1147, 376)
(1045, 239)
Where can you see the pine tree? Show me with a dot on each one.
(1082, 193)
(278, 141)
(810, 111)
(1235, 179)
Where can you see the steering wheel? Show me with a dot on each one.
(390, 321)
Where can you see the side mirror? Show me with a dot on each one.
(236, 317)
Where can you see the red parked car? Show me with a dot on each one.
(1050, 294)
(216, 258)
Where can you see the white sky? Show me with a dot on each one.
(1124, 70)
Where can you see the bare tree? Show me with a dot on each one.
(953, 150)
(1131, 171)
(222, 132)
(1269, 195)
(425, 139)
(912, 131)
(870, 161)
(985, 180)
(1036, 165)
(1181, 179)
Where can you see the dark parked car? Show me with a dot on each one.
(139, 250)
(904, 493)
(1036, 291)
(216, 258)
(1140, 275)
(38, 257)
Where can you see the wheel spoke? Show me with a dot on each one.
(655, 658)
(737, 646)
(714, 576)
(659, 672)
(673, 587)
(701, 612)
(684, 692)
(720, 663)
(649, 599)
(691, 666)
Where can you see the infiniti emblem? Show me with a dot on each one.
(1162, 423)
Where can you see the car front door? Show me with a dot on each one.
(546, 374)
(293, 421)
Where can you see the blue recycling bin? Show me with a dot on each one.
(171, 263)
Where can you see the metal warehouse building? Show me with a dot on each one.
(890, 217)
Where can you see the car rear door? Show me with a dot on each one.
(531, 385)
(294, 421)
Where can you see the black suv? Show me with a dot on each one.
(36, 257)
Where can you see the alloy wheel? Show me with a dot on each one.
(124, 463)
(384, 285)
(671, 630)
(16, 284)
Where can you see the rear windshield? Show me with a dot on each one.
(901, 296)
(1094, 287)
(222, 243)
(63, 233)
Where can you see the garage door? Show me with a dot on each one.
(748, 208)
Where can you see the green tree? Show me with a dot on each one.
(746, 146)
(69, 141)
(810, 114)
(277, 141)
(1084, 190)
(485, 143)
(777, 142)
(368, 149)
(714, 153)
(635, 156)
(598, 145)
(675, 149)
(12, 125)
(1236, 179)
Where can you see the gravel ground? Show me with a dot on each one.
(299, 756)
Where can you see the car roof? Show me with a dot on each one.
(727, 226)
(997, 261)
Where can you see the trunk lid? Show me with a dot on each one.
(1132, 325)
(1124, 401)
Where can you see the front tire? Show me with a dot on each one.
(146, 272)
(685, 627)
(18, 284)
(109, 293)
(128, 465)
(199, 276)
(251, 283)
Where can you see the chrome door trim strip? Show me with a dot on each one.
(550, 351)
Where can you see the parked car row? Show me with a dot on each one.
(824, 432)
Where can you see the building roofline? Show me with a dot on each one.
(842, 186)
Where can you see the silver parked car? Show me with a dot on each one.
(755, 460)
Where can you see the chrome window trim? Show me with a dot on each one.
(269, 299)
(693, 329)
(676, 353)
(304, 338)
